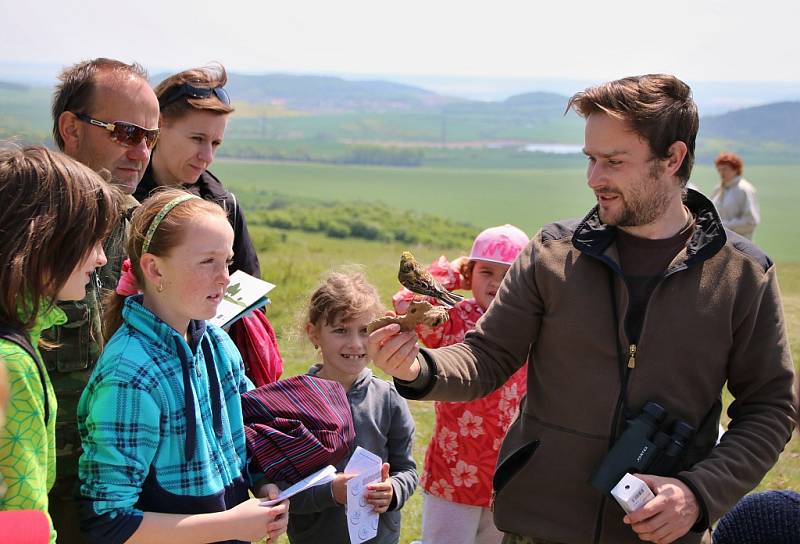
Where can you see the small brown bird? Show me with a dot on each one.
(416, 278)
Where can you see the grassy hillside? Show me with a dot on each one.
(776, 122)
(769, 132)
(329, 93)
(25, 112)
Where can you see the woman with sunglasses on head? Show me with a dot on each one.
(194, 114)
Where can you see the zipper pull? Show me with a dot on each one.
(632, 356)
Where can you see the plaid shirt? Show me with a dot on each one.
(161, 425)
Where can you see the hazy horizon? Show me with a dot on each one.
(714, 97)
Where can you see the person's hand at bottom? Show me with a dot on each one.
(668, 516)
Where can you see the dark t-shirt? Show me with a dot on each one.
(643, 262)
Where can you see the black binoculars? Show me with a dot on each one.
(644, 448)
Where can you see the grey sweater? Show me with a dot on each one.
(384, 426)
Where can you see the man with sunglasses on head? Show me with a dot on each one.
(105, 115)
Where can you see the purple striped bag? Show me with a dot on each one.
(296, 426)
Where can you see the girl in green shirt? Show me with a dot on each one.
(55, 214)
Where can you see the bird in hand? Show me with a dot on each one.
(414, 277)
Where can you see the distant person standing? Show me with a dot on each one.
(735, 198)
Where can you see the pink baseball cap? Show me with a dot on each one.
(498, 244)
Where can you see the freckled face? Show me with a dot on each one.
(195, 273)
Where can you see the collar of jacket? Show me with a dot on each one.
(732, 182)
(207, 186)
(48, 316)
(164, 337)
(593, 237)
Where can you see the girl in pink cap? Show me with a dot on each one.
(461, 456)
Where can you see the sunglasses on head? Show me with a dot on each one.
(124, 133)
(190, 91)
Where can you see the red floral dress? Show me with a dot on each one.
(461, 457)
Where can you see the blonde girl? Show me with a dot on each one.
(160, 419)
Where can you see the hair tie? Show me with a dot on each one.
(126, 285)
(160, 216)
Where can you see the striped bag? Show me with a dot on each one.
(296, 426)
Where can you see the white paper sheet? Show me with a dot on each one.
(362, 520)
(322, 476)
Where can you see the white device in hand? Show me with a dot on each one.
(631, 493)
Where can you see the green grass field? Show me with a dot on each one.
(527, 198)
(296, 261)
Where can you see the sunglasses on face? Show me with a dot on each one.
(190, 91)
(124, 133)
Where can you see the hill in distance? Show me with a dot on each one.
(285, 107)
(776, 122)
(768, 133)
(328, 94)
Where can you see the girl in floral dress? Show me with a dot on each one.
(461, 457)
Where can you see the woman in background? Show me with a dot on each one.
(194, 114)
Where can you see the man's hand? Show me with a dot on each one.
(394, 352)
(668, 516)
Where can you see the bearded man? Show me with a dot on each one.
(647, 299)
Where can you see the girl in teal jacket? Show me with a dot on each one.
(164, 456)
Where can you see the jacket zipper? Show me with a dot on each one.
(632, 356)
(615, 425)
(623, 387)
(615, 421)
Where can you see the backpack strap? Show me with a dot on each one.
(22, 340)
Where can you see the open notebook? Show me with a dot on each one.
(244, 294)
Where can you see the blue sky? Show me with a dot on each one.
(574, 39)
